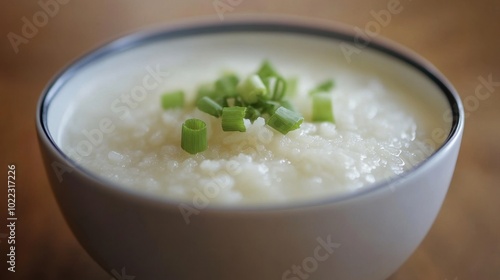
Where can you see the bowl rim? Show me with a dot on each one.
(281, 24)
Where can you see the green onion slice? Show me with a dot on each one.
(287, 104)
(206, 90)
(277, 86)
(252, 89)
(267, 70)
(233, 118)
(325, 86)
(291, 87)
(284, 120)
(172, 100)
(322, 109)
(270, 106)
(252, 113)
(194, 136)
(226, 85)
(209, 106)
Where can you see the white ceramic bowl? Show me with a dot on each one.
(365, 234)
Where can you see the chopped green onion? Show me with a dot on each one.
(230, 102)
(252, 89)
(266, 107)
(207, 105)
(238, 102)
(173, 99)
(291, 87)
(206, 90)
(284, 120)
(222, 101)
(233, 118)
(270, 106)
(325, 86)
(278, 86)
(260, 95)
(252, 113)
(322, 109)
(288, 105)
(194, 136)
(226, 85)
(266, 70)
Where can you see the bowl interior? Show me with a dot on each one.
(172, 59)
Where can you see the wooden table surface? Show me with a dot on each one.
(460, 37)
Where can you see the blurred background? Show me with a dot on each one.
(460, 37)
